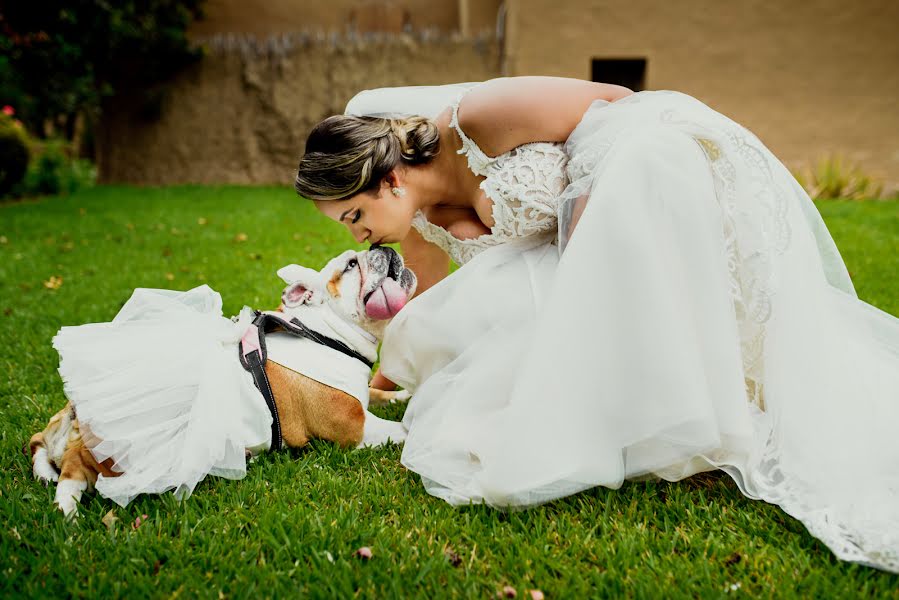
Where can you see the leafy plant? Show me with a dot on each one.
(55, 170)
(836, 177)
(61, 60)
(14, 152)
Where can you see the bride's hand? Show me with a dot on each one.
(382, 391)
(379, 382)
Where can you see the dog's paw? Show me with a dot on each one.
(378, 397)
(45, 474)
(397, 436)
(68, 506)
(401, 396)
(42, 469)
(68, 495)
(380, 431)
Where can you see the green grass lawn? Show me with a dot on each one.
(290, 529)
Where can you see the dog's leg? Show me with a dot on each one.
(47, 447)
(79, 474)
(379, 431)
(40, 462)
(377, 397)
(61, 445)
(72, 481)
(309, 409)
(68, 495)
(340, 419)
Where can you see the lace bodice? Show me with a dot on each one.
(524, 185)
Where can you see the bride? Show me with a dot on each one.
(644, 290)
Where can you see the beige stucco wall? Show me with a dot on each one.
(809, 78)
(242, 115)
(478, 15)
(266, 17)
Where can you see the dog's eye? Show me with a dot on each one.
(351, 265)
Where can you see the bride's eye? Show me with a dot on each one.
(357, 216)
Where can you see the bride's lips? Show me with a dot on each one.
(386, 300)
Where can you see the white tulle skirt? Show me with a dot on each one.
(700, 317)
(160, 390)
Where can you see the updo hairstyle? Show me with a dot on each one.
(346, 155)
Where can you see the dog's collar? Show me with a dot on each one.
(300, 330)
(367, 336)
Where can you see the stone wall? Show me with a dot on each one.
(243, 113)
(262, 18)
(809, 78)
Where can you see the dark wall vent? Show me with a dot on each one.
(629, 72)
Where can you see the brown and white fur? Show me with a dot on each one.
(307, 409)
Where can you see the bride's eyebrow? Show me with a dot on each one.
(345, 213)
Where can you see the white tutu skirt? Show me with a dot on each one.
(160, 390)
(699, 317)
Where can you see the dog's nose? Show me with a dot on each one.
(385, 249)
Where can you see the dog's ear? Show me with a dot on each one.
(297, 293)
(304, 286)
(294, 273)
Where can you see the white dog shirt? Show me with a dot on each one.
(323, 364)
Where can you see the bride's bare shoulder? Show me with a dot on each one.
(502, 114)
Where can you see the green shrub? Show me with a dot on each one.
(836, 177)
(31, 167)
(55, 170)
(14, 153)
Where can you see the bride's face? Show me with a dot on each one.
(375, 217)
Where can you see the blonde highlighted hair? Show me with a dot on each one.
(347, 155)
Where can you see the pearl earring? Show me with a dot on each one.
(398, 191)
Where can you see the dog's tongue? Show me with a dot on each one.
(386, 301)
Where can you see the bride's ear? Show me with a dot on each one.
(391, 180)
(304, 286)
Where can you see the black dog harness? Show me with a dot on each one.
(253, 354)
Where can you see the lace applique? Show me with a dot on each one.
(461, 251)
(749, 258)
(524, 185)
(754, 238)
(752, 249)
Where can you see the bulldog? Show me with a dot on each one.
(318, 381)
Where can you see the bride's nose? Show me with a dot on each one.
(359, 233)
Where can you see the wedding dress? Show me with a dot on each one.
(699, 317)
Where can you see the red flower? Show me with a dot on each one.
(8, 110)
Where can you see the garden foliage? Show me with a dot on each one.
(34, 167)
(836, 177)
(13, 151)
(59, 60)
(56, 170)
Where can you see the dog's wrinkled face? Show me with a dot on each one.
(367, 288)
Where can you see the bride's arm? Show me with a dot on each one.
(502, 114)
(429, 263)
